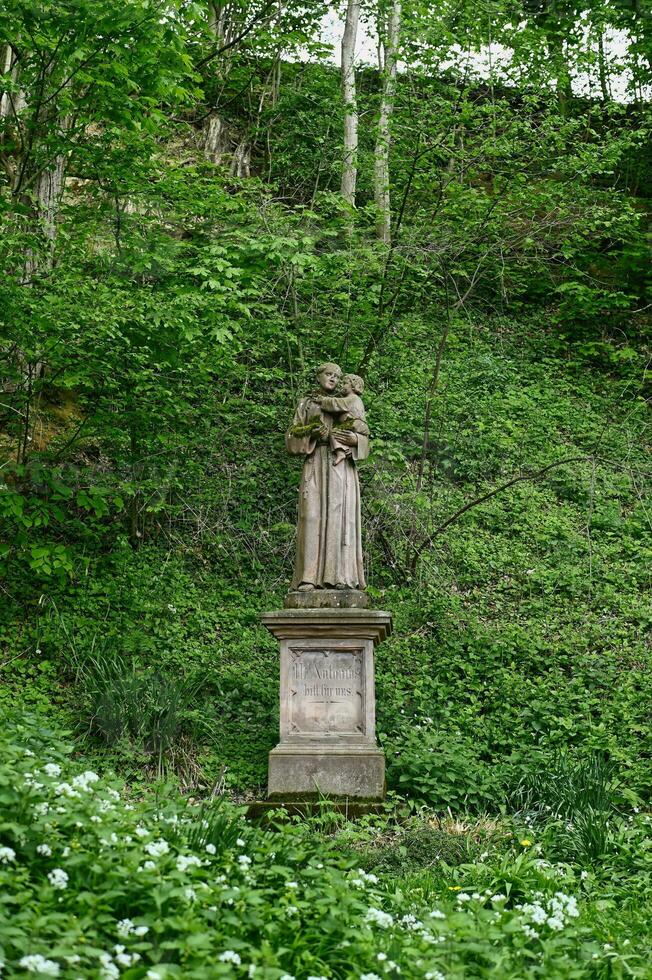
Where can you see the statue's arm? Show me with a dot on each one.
(361, 448)
(334, 405)
(299, 445)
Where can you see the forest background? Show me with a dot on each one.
(187, 229)
(197, 206)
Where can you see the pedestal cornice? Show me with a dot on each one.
(363, 624)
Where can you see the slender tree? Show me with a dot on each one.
(389, 49)
(349, 162)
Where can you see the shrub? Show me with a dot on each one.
(442, 770)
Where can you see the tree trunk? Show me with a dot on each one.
(381, 152)
(216, 140)
(560, 67)
(47, 197)
(349, 161)
(602, 68)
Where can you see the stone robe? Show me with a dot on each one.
(329, 547)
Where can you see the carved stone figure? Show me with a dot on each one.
(329, 550)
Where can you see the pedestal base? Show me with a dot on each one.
(328, 738)
(308, 772)
(327, 599)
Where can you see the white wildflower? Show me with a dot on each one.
(153, 975)
(381, 957)
(157, 848)
(109, 970)
(41, 809)
(187, 861)
(190, 894)
(124, 928)
(44, 849)
(369, 976)
(240, 842)
(435, 975)
(52, 769)
(7, 854)
(65, 789)
(141, 931)
(84, 780)
(555, 923)
(127, 959)
(244, 861)
(142, 831)
(411, 922)
(365, 876)
(379, 918)
(58, 878)
(530, 932)
(35, 963)
(436, 914)
(228, 956)
(211, 849)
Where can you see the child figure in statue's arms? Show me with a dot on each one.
(349, 408)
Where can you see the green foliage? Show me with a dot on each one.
(161, 314)
(441, 770)
(152, 710)
(132, 887)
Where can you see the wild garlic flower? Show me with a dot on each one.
(52, 769)
(187, 861)
(157, 848)
(58, 878)
(44, 849)
(228, 956)
(35, 963)
(7, 854)
(84, 780)
(379, 918)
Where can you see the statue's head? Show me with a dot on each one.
(328, 376)
(354, 382)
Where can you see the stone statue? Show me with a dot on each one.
(331, 432)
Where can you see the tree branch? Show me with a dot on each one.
(522, 477)
(239, 37)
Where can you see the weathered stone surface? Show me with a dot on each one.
(327, 599)
(357, 772)
(372, 624)
(328, 739)
(329, 549)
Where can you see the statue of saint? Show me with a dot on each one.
(331, 432)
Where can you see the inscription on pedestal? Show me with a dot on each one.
(326, 692)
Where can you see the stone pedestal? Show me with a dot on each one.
(328, 737)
